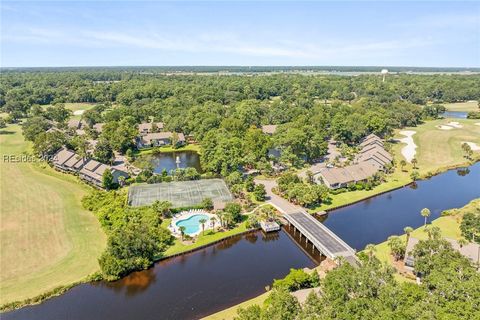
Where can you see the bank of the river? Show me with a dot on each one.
(448, 223)
(204, 239)
(437, 151)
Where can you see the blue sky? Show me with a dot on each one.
(118, 33)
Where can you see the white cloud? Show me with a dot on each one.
(215, 42)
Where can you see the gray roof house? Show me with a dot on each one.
(335, 178)
(470, 251)
(158, 139)
(88, 169)
(372, 158)
(269, 129)
(148, 127)
(93, 172)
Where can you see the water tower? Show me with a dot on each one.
(384, 72)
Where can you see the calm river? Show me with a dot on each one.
(237, 269)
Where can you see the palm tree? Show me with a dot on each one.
(182, 231)
(408, 231)
(371, 249)
(403, 163)
(425, 213)
(202, 221)
(414, 163)
(212, 221)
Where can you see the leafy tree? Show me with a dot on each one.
(259, 192)
(470, 226)
(234, 210)
(107, 179)
(397, 247)
(47, 143)
(34, 126)
(403, 163)
(207, 203)
(103, 152)
(163, 208)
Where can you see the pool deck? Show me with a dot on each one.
(184, 215)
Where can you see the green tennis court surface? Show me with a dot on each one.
(179, 193)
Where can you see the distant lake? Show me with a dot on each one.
(455, 114)
(167, 160)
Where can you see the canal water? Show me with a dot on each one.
(167, 160)
(211, 279)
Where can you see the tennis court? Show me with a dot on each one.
(179, 193)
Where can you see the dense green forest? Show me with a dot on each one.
(224, 113)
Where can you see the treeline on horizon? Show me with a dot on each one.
(241, 69)
(224, 113)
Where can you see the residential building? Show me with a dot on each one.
(88, 169)
(98, 127)
(150, 127)
(93, 172)
(371, 158)
(470, 251)
(335, 178)
(269, 129)
(158, 139)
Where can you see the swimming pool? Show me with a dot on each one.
(192, 225)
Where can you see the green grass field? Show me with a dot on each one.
(462, 106)
(47, 239)
(231, 312)
(439, 149)
(202, 239)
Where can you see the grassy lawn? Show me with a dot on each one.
(448, 224)
(437, 150)
(203, 239)
(395, 180)
(462, 106)
(231, 312)
(76, 106)
(47, 239)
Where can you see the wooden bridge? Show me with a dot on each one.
(322, 238)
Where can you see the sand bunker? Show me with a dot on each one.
(409, 150)
(455, 124)
(477, 123)
(78, 112)
(473, 145)
(444, 127)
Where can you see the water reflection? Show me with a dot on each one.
(375, 220)
(167, 160)
(190, 286)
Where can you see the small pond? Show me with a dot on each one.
(455, 114)
(167, 160)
